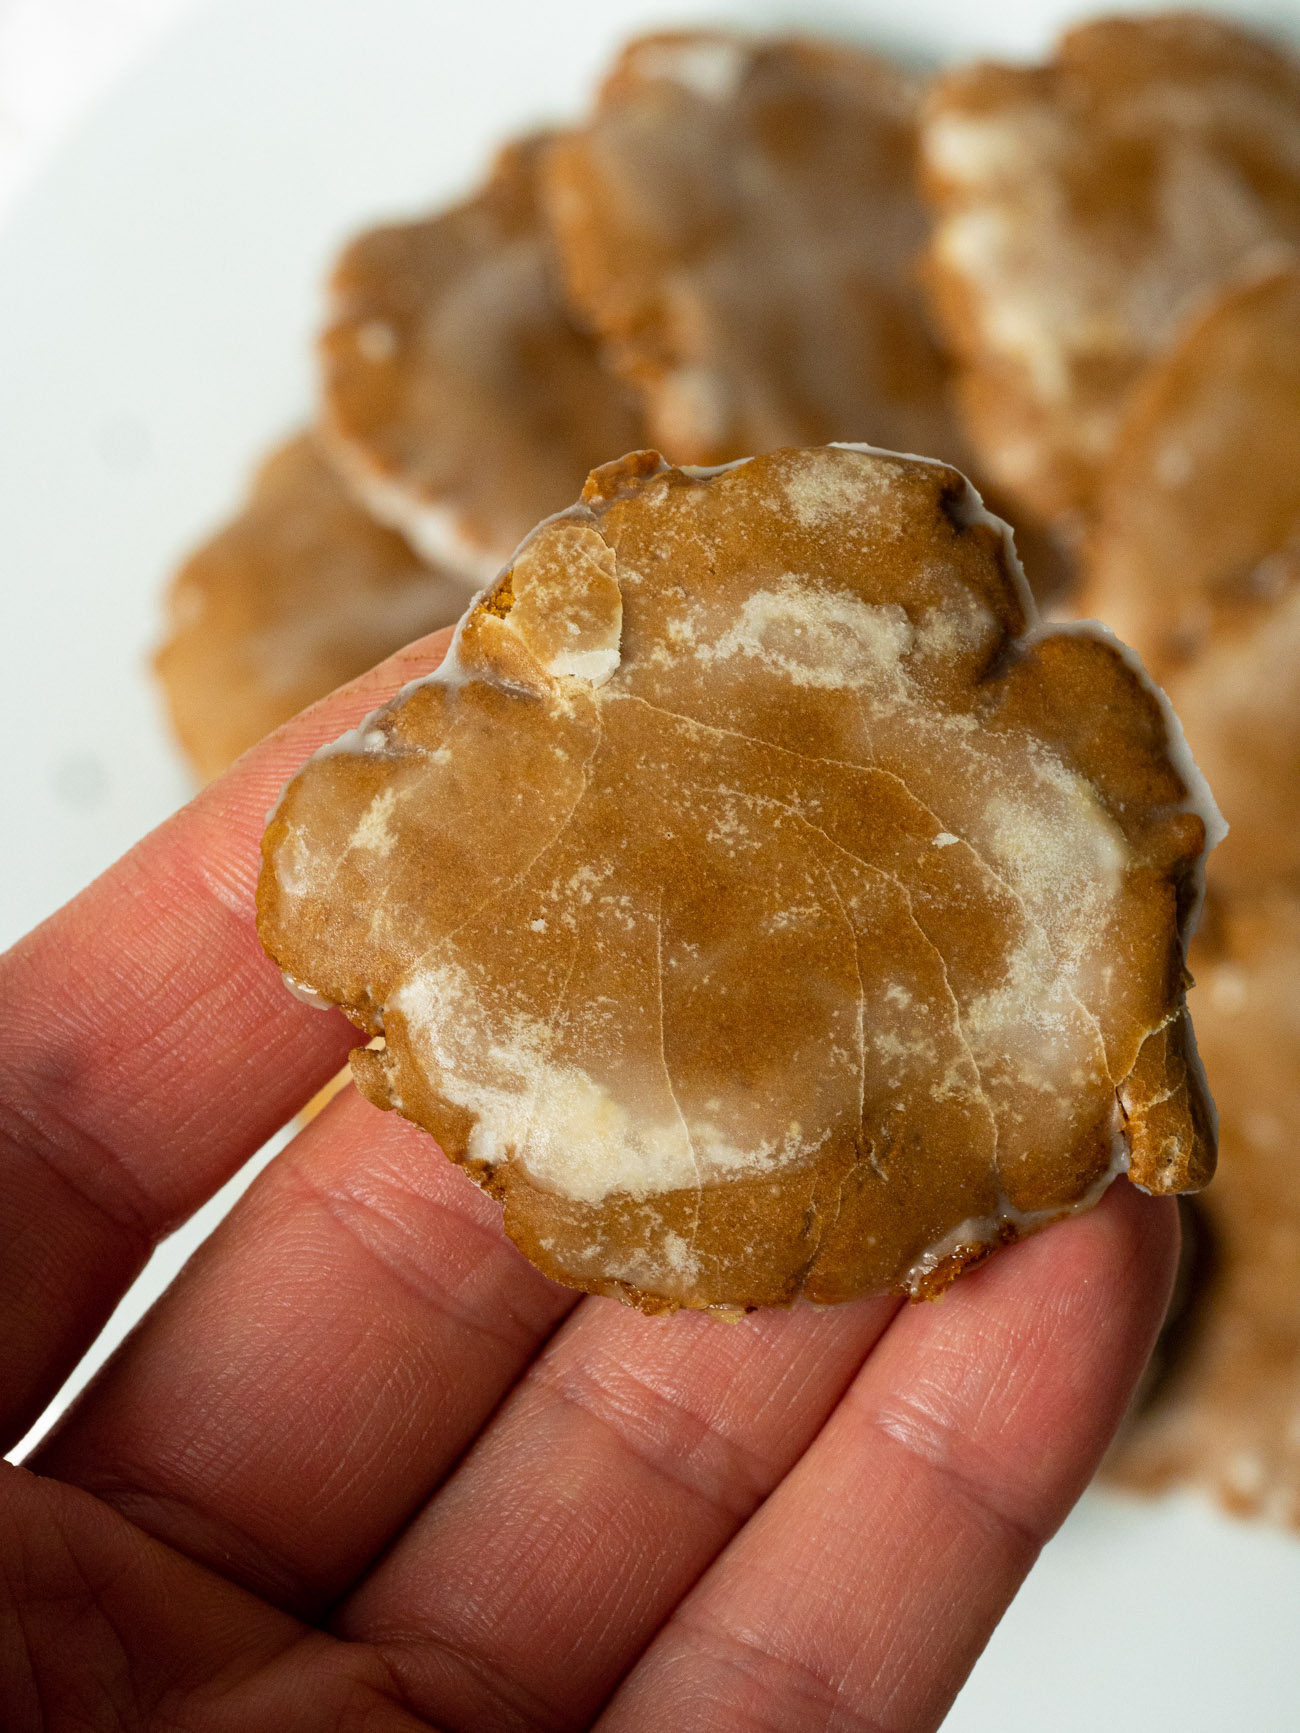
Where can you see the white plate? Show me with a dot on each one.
(158, 290)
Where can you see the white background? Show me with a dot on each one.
(173, 180)
(56, 57)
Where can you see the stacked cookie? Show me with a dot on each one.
(1075, 282)
(1196, 545)
(722, 260)
(1115, 264)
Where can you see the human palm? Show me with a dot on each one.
(364, 1468)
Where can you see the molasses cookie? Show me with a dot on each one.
(739, 223)
(1083, 208)
(460, 400)
(299, 593)
(1195, 558)
(757, 900)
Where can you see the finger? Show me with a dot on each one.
(149, 1048)
(623, 1463)
(102, 1627)
(319, 1366)
(863, 1591)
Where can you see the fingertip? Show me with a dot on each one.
(1119, 1259)
(1125, 1247)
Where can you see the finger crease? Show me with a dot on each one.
(928, 1443)
(349, 1212)
(414, 1651)
(796, 1681)
(731, 1464)
(30, 1134)
(201, 1535)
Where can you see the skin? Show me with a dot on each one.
(363, 1468)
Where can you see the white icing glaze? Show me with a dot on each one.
(817, 639)
(308, 995)
(595, 667)
(582, 1140)
(702, 471)
(587, 1137)
(1199, 798)
(710, 67)
(979, 1231)
(434, 530)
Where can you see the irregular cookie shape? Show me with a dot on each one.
(1227, 1417)
(1195, 559)
(740, 223)
(299, 593)
(754, 902)
(1083, 206)
(459, 399)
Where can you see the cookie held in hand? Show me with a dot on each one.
(756, 901)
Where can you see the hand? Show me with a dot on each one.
(363, 1468)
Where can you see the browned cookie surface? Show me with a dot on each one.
(739, 222)
(1202, 491)
(300, 592)
(1228, 1415)
(1083, 206)
(1239, 701)
(754, 902)
(1195, 558)
(459, 398)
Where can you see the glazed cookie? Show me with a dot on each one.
(1201, 496)
(1083, 207)
(1195, 558)
(460, 401)
(756, 900)
(1240, 704)
(739, 223)
(298, 594)
(1227, 1416)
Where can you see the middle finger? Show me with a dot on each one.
(623, 1463)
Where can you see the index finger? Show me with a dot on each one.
(865, 1588)
(150, 1048)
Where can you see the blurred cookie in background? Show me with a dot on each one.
(297, 594)
(1202, 488)
(739, 225)
(1195, 558)
(1239, 702)
(1226, 1413)
(1082, 208)
(460, 400)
